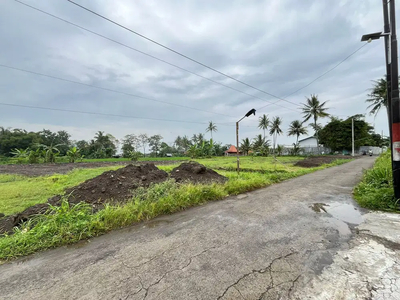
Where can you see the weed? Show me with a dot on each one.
(375, 191)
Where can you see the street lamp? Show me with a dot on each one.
(392, 75)
(249, 113)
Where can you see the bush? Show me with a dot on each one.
(375, 191)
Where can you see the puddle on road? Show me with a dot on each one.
(345, 212)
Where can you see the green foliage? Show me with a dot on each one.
(375, 191)
(296, 128)
(73, 154)
(263, 123)
(336, 135)
(275, 130)
(20, 154)
(34, 156)
(50, 152)
(155, 143)
(280, 149)
(296, 150)
(314, 109)
(377, 97)
(245, 146)
(211, 128)
(134, 155)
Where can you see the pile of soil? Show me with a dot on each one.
(196, 173)
(316, 161)
(62, 168)
(111, 186)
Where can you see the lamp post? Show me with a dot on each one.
(249, 113)
(392, 75)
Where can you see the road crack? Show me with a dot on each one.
(260, 271)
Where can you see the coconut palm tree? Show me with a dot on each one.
(245, 146)
(296, 128)
(211, 128)
(258, 142)
(313, 108)
(263, 123)
(378, 96)
(275, 130)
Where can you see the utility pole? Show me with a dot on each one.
(352, 136)
(237, 146)
(395, 104)
(250, 112)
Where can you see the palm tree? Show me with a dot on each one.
(245, 146)
(211, 128)
(200, 138)
(313, 108)
(263, 123)
(377, 97)
(296, 128)
(275, 129)
(258, 142)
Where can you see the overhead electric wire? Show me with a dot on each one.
(101, 114)
(322, 75)
(109, 90)
(144, 53)
(180, 54)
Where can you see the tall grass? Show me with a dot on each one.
(68, 224)
(375, 191)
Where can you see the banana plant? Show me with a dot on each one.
(73, 154)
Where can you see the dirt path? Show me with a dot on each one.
(62, 168)
(268, 244)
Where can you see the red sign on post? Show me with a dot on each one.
(396, 141)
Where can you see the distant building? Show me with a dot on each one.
(232, 151)
(308, 142)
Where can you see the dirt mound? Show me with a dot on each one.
(116, 185)
(196, 173)
(111, 186)
(316, 161)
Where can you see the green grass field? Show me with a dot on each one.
(70, 224)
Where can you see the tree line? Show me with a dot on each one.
(46, 145)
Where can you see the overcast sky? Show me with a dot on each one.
(277, 46)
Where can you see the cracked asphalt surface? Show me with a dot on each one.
(267, 244)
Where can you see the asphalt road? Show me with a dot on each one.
(273, 243)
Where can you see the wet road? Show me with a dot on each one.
(267, 244)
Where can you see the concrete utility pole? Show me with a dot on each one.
(392, 76)
(352, 136)
(395, 104)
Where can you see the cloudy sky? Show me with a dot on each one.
(277, 46)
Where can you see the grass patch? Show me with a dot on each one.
(19, 192)
(375, 191)
(68, 224)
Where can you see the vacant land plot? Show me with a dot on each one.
(143, 199)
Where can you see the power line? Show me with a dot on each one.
(109, 90)
(99, 114)
(180, 54)
(323, 74)
(144, 53)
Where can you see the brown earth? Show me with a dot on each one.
(115, 187)
(196, 173)
(62, 168)
(316, 161)
(111, 186)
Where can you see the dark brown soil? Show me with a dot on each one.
(62, 168)
(316, 161)
(196, 173)
(111, 186)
